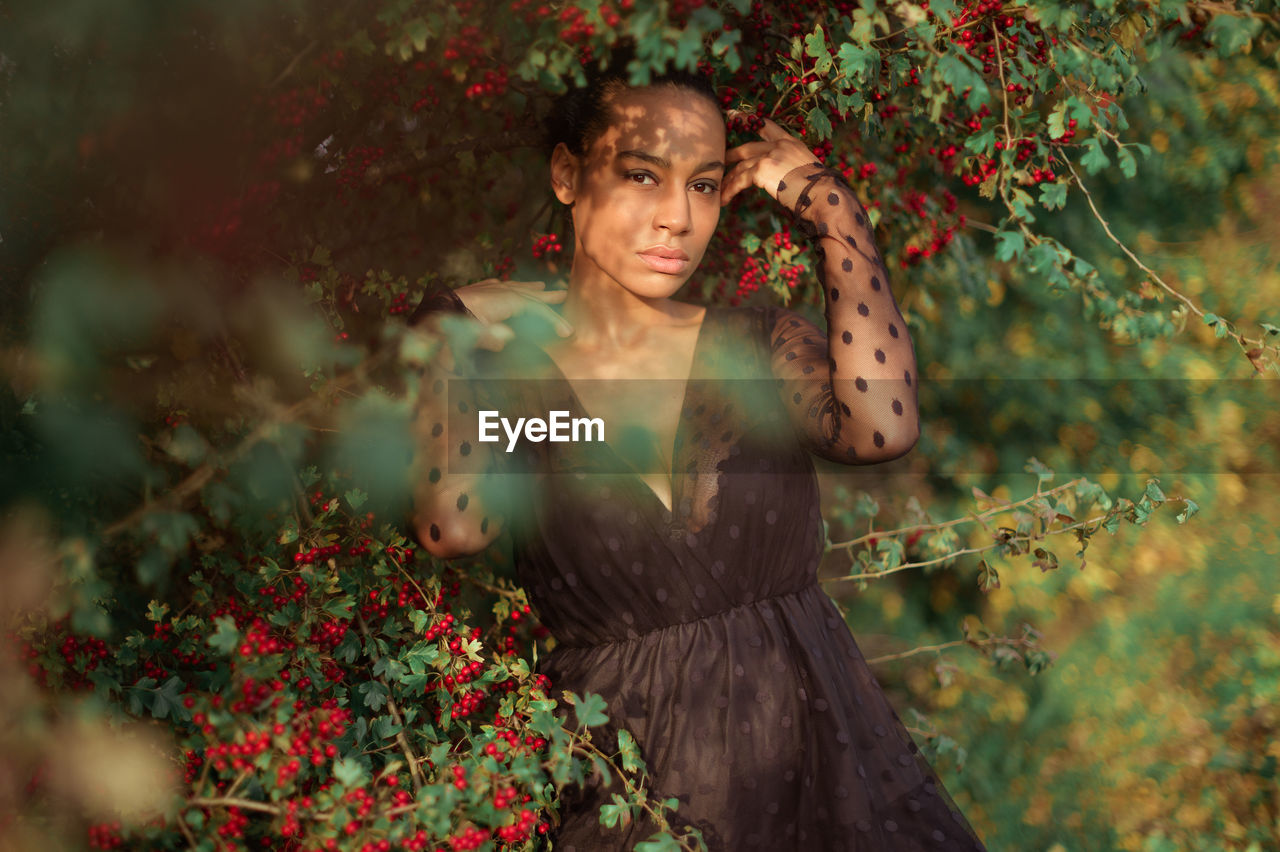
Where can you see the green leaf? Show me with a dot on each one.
(1058, 120)
(615, 812)
(1053, 196)
(1221, 328)
(350, 773)
(1185, 514)
(226, 637)
(815, 44)
(589, 709)
(385, 727)
(418, 33)
(1269, 328)
(356, 498)
(1128, 164)
(1153, 491)
(856, 62)
(631, 761)
(390, 668)
(375, 694)
(819, 124)
(1095, 159)
(1009, 245)
(1231, 33)
(1021, 203)
(1034, 465)
(602, 766)
(168, 700)
(982, 143)
(661, 842)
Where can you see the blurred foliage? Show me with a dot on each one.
(211, 216)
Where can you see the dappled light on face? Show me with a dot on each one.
(650, 182)
(676, 125)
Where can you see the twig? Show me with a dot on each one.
(229, 802)
(956, 521)
(1004, 89)
(415, 771)
(186, 832)
(201, 476)
(994, 640)
(1191, 306)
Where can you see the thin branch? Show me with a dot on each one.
(186, 832)
(230, 802)
(202, 475)
(415, 771)
(956, 521)
(1191, 306)
(293, 63)
(1004, 88)
(994, 640)
(1107, 228)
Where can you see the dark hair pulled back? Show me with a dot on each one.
(580, 115)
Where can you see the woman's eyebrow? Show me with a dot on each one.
(664, 163)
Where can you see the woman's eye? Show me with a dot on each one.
(706, 187)
(641, 178)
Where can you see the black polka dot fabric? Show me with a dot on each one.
(865, 406)
(702, 623)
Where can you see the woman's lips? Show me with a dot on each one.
(670, 261)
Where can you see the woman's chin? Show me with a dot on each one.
(657, 285)
(656, 290)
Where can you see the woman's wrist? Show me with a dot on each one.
(813, 191)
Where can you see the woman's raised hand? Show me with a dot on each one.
(764, 163)
(494, 302)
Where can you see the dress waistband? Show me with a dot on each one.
(639, 636)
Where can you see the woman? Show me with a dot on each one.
(679, 575)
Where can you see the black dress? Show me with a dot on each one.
(705, 628)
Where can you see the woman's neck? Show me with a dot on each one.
(607, 317)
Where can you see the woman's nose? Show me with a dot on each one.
(673, 211)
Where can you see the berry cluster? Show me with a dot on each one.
(327, 635)
(400, 304)
(105, 836)
(744, 122)
(576, 28)
(80, 656)
(502, 269)
(978, 26)
(494, 84)
(545, 245)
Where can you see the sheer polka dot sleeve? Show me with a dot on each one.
(455, 512)
(851, 391)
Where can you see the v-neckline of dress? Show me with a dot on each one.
(576, 401)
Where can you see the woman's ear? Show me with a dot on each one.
(564, 173)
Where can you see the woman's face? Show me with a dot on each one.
(646, 194)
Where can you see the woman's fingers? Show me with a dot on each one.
(494, 336)
(746, 151)
(772, 132)
(533, 304)
(742, 177)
